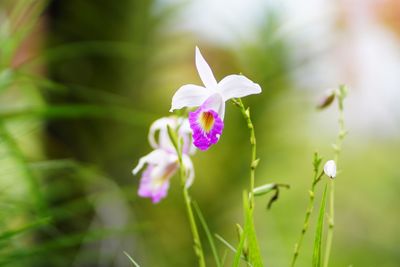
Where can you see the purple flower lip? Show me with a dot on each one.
(155, 185)
(207, 127)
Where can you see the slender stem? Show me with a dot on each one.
(331, 223)
(198, 249)
(309, 210)
(249, 231)
(254, 160)
(337, 150)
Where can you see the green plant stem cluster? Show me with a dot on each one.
(340, 94)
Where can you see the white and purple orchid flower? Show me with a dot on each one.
(162, 162)
(207, 121)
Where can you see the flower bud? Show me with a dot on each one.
(327, 100)
(261, 190)
(330, 169)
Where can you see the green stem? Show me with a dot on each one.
(331, 223)
(337, 150)
(198, 249)
(249, 234)
(254, 160)
(307, 216)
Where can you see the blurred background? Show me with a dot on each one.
(81, 81)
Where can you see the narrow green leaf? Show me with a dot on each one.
(51, 249)
(208, 233)
(72, 111)
(31, 226)
(230, 247)
(239, 250)
(131, 259)
(253, 248)
(248, 244)
(317, 257)
(226, 243)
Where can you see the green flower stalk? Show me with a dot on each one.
(198, 249)
(317, 177)
(341, 95)
(330, 171)
(252, 251)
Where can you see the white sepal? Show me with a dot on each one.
(204, 70)
(237, 86)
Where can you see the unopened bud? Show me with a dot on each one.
(327, 100)
(330, 169)
(261, 190)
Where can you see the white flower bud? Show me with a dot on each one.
(330, 169)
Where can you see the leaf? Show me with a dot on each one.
(228, 245)
(131, 259)
(317, 257)
(32, 226)
(252, 251)
(72, 111)
(244, 235)
(208, 234)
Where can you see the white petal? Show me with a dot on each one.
(185, 126)
(235, 86)
(159, 124)
(165, 142)
(189, 96)
(216, 103)
(186, 132)
(189, 170)
(157, 156)
(204, 70)
(330, 169)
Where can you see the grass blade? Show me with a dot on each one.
(130, 258)
(7, 235)
(226, 243)
(230, 247)
(74, 111)
(248, 245)
(208, 234)
(243, 237)
(317, 257)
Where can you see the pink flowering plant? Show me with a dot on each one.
(175, 139)
(162, 162)
(207, 122)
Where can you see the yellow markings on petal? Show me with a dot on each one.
(164, 176)
(206, 121)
